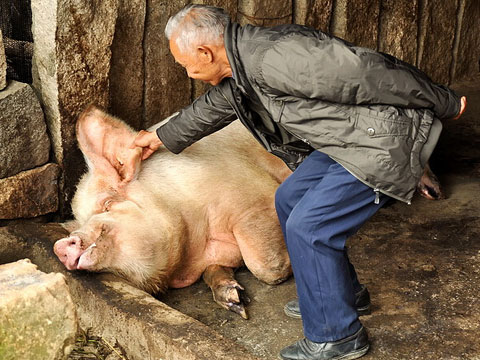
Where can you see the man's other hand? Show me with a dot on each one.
(463, 105)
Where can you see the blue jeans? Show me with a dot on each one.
(319, 206)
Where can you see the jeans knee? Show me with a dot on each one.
(294, 227)
(302, 229)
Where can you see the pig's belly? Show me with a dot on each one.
(222, 250)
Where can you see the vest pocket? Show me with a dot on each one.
(376, 126)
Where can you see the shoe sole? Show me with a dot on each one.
(354, 354)
(366, 310)
(291, 314)
(350, 356)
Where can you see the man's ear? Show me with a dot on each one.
(205, 54)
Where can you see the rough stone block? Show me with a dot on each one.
(468, 54)
(30, 193)
(37, 315)
(314, 13)
(436, 38)
(399, 29)
(3, 64)
(230, 6)
(167, 86)
(265, 13)
(357, 21)
(23, 132)
(71, 66)
(127, 67)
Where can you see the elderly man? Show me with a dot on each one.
(355, 125)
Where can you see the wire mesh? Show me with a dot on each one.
(16, 26)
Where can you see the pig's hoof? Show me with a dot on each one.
(231, 296)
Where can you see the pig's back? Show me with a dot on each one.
(222, 165)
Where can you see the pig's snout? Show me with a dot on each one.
(69, 251)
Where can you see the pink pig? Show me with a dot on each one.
(204, 212)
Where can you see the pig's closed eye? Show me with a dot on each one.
(104, 229)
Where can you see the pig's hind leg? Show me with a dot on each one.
(260, 239)
(227, 292)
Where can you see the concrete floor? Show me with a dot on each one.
(421, 264)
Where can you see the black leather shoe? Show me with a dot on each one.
(362, 302)
(351, 347)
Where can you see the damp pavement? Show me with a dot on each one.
(421, 264)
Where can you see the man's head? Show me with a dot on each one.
(196, 42)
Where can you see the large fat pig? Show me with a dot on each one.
(204, 212)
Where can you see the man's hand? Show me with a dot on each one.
(463, 105)
(148, 141)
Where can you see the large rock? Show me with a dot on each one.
(30, 193)
(467, 64)
(71, 66)
(127, 67)
(314, 13)
(37, 315)
(23, 133)
(437, 38)
(357, 21)
(3, 64)
(167, 87)
(399, 29)
(265, 13)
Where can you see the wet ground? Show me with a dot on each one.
(421, 264)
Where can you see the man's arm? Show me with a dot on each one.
(207, 114)
(332, 71)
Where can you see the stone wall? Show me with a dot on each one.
(434, 36)
(71, 67)
(3, 64)
(114, 53)
(28, 183)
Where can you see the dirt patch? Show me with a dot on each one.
(91, 347)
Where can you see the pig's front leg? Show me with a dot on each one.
(227, 292)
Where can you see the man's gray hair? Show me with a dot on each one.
(197, 24)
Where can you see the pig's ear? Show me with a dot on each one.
(104, 141)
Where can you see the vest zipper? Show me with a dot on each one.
(375, 189)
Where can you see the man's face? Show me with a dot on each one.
(201, 63)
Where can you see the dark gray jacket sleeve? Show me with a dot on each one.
(207, 114)
(330, 70)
